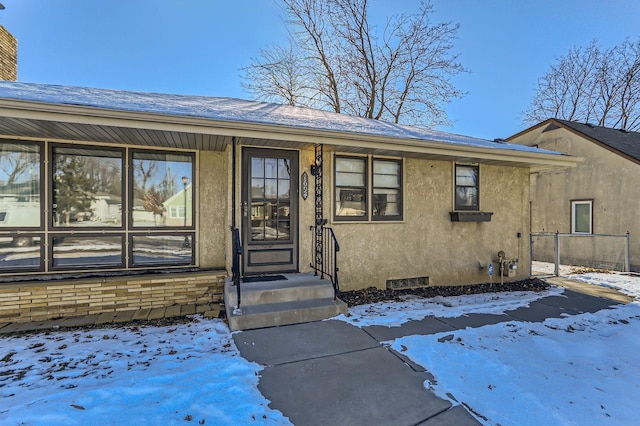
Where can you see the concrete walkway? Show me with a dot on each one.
(330, 372)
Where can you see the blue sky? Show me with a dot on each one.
(199, 46)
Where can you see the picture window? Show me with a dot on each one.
(97, 215)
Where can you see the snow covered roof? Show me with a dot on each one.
(235, 110)
(209, 123)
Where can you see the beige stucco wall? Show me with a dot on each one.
(212, 209)
(426, 242)
(605, 177)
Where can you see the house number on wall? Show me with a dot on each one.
(305, 185)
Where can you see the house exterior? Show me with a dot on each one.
(406, 205)
(599, 196)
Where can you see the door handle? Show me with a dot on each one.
(245, 208)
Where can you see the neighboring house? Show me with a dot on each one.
(178, 207)
(106, 208)
(599, 196)
(406, 204)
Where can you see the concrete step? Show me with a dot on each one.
(295, 287)
(284, 313)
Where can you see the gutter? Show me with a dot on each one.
(245, 129)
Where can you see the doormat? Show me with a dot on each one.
(260, 278)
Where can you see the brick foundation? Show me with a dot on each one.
(32, 301)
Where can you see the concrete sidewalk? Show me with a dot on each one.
(330, 372)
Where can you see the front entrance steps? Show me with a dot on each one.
(298, 299)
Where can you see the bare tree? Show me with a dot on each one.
(277, 75)
(592, 84)
(338, 60)
(144, 170)
(14, 164)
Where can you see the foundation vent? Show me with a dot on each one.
(404, 283)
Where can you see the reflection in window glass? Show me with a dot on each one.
(19, 185)
(20, 252)
(270, 199)
(87, 252)
(87, 187)
(270, 221)
(386, 188)
(351, 197)
(162, 182)
(467, 187)
(162, 249)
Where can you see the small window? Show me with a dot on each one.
(582, 217)
(387, 185)
(162, 249)
(86, 251)
(351, 188)
(467, 187)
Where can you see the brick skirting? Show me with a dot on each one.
(42, 300)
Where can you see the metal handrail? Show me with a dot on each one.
(235, 267)
(326, 263)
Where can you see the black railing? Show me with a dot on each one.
(325, 262)
(235, 266)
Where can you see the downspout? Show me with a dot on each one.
(233, 182)
(235, 233)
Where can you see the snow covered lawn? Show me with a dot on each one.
(182, 374)
(579, 369)
(574, 370)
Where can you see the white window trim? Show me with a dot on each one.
(575, 203)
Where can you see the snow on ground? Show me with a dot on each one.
(573, 370)
(547, 268)
(626, 284)
(576, 370)
(181, 374)
(566, 371)
(394, 314)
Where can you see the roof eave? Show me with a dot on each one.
(245, 129)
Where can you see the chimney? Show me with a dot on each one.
(8, 56)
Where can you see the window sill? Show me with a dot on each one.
(470, 216)
(353, 222)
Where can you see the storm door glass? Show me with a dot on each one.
(270, 199)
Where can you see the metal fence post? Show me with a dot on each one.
(557, 253)
(530, 254)
(627, 255)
